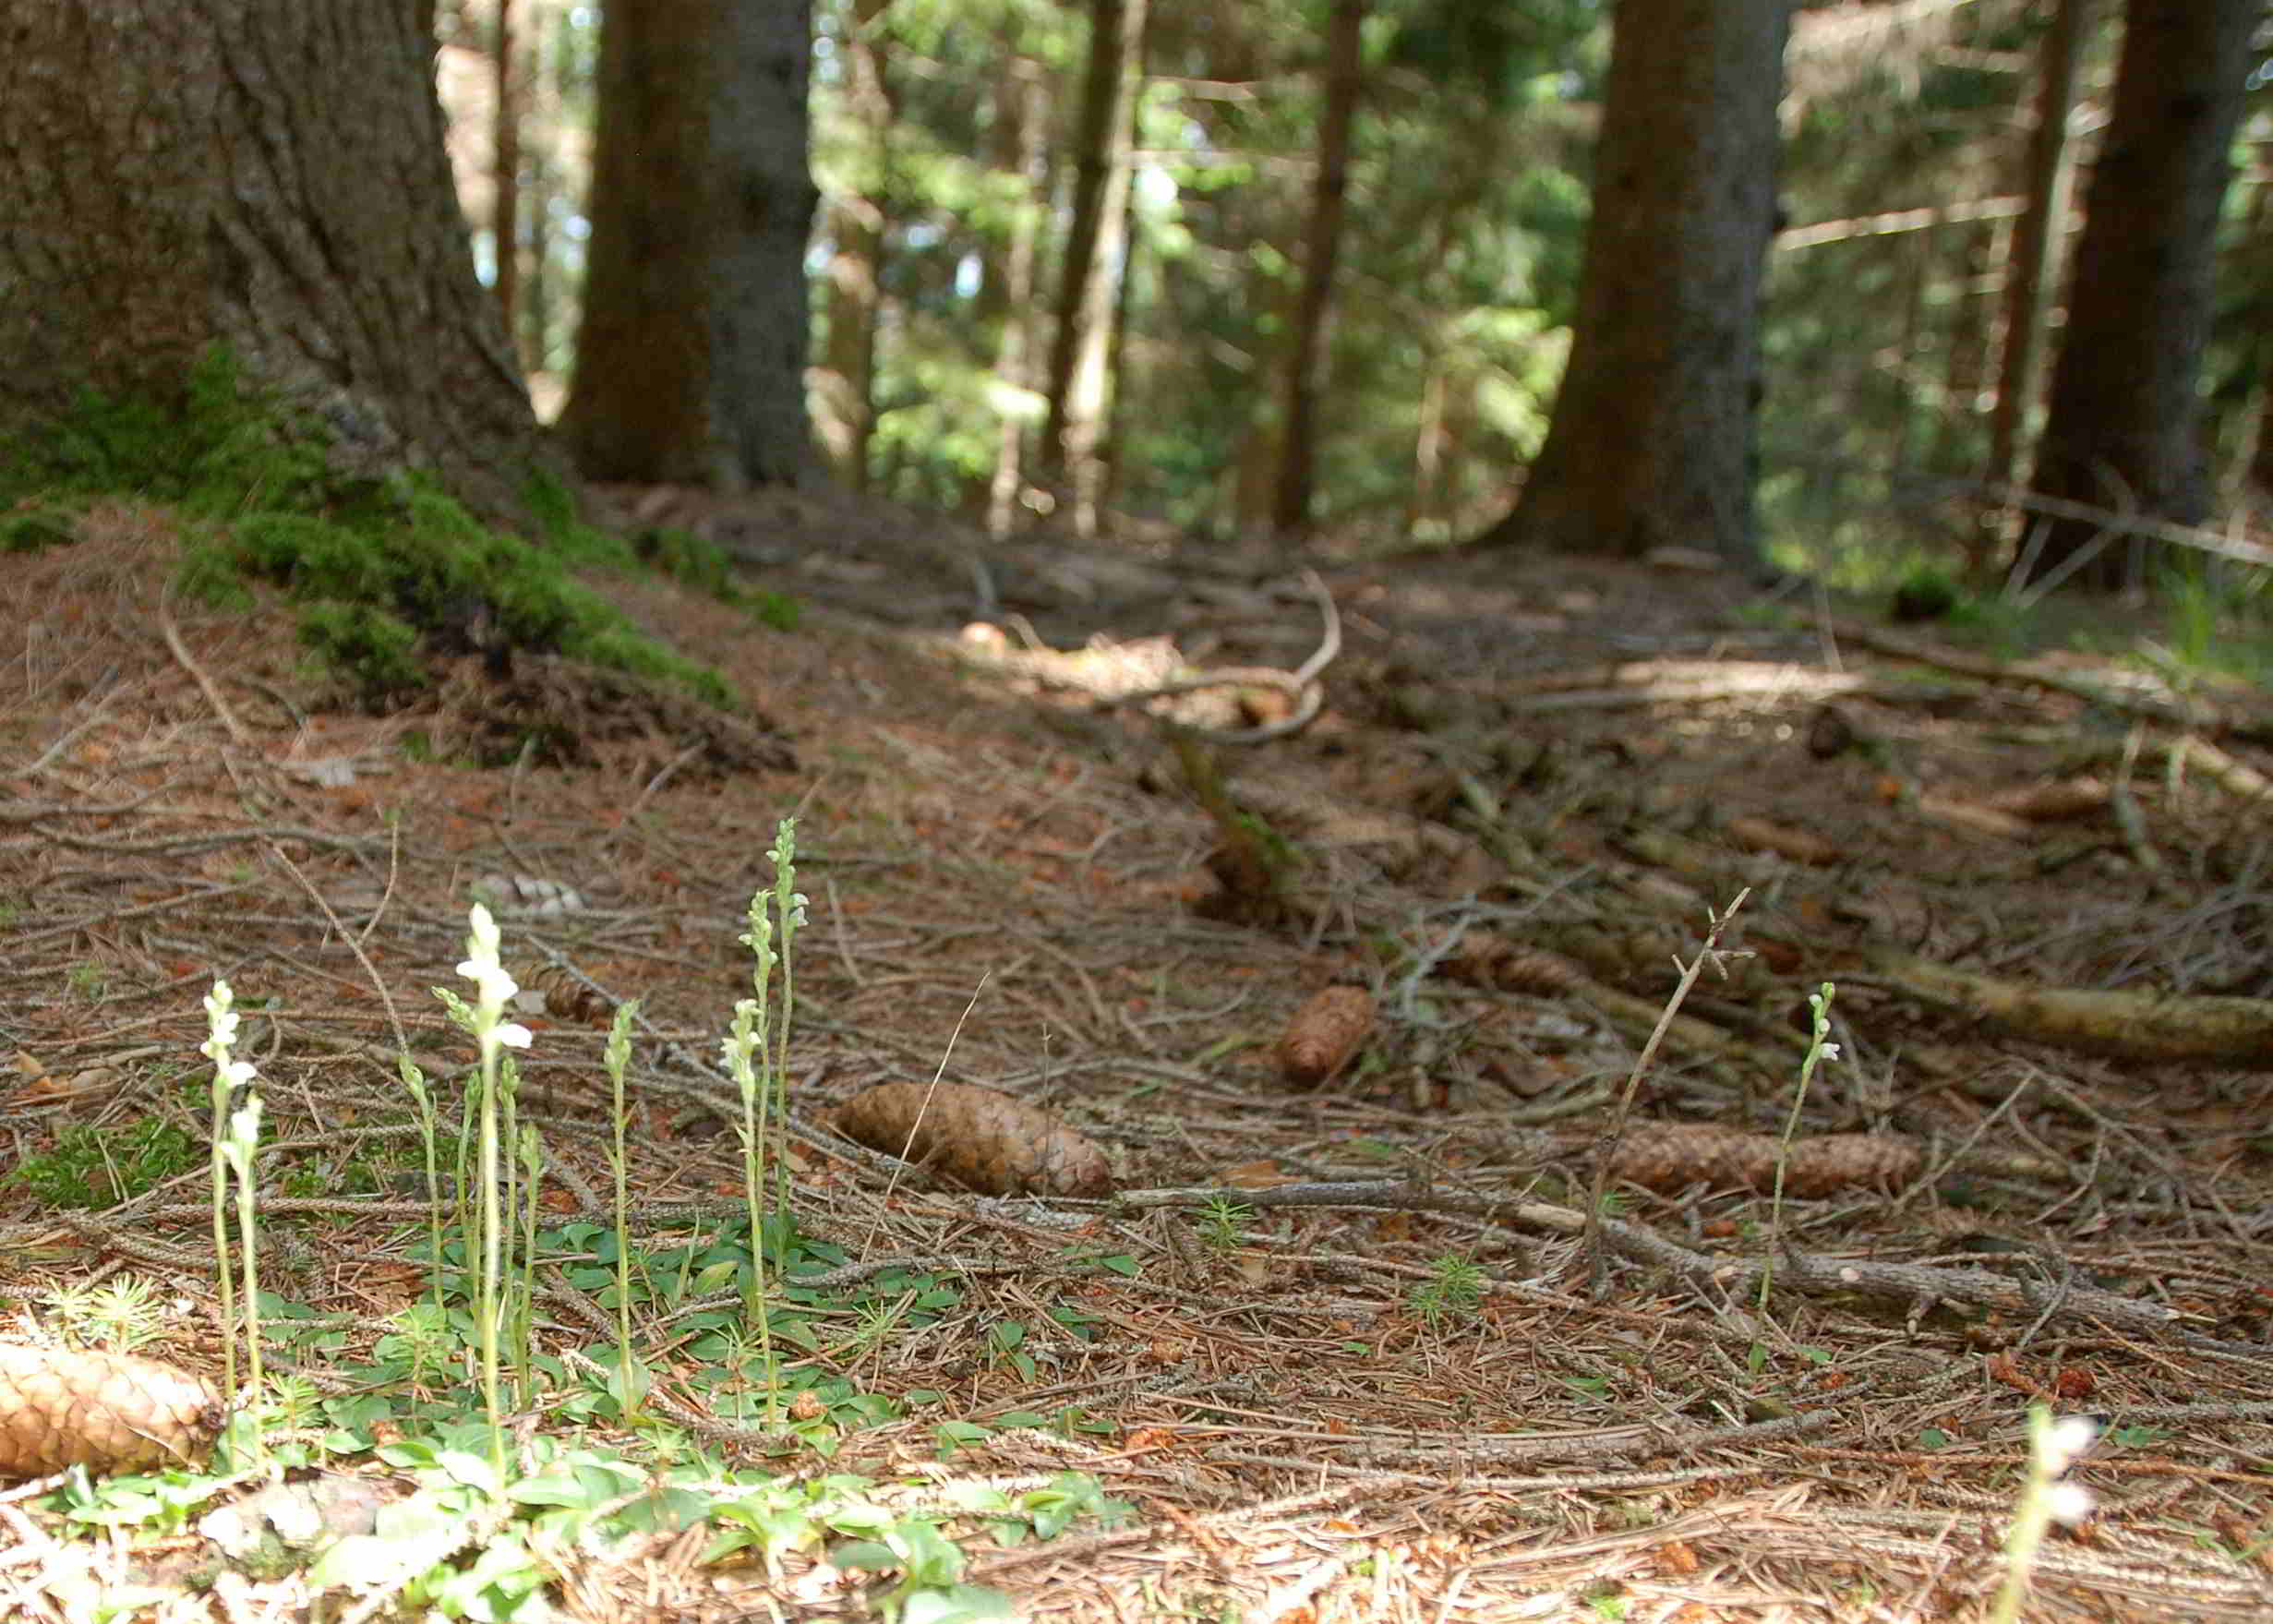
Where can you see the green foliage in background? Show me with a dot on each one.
(1467, 203)
(92, 1166)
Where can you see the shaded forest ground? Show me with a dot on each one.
(1390, 1388)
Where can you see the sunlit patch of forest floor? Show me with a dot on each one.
(1344, 1352)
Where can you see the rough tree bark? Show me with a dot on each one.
(505, 160)
(1652, 436)
(2036, 235)
(691, 358)
(1077, 377)
(845, 386)
(2122, 429)
(1321, 252)
(1022, 128)
(265, 175)
(532, 330)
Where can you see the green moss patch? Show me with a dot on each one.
(391, 580)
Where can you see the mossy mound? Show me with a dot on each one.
(392, 580)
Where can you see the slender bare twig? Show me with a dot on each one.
(1606, 1149)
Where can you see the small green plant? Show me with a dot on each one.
(493, 1034)
(1451, 1294)
(34, 530)
(421, 1340)
(631, 1379)
(236, 1121)
(759, 1068)
(1820, 1048)
(94, 1167)
(121, 1315)
(1005, 1344)
(1927, 593)
(2045, 1498)
(771, 608)
(2215, 621)
(237, 1147)
(931, 1575)
(1223, 1223)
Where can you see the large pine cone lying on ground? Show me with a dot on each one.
(60, 1407)
(980, 1139)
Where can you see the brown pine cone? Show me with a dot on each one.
(982, 1140)
(61, 1407)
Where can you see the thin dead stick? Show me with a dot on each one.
(1606, 1149)
(916, 1127)
(72, 734)
(386, 896)
(237, 729)
(1301, 683)
(355, 945)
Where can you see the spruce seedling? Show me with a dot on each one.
(1223, 1223)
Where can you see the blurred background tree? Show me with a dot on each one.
(1319, 260)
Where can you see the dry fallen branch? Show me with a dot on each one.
(2200, 1031)
(1735, 1281)
(2235, 777)
(2134, 701)
(1300, 684)
(1635, 683)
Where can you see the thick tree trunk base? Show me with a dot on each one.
(266, 177)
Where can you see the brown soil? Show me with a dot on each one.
(1533, 785)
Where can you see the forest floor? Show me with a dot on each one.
(1349, 1351)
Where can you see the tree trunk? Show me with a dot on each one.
(1022, 119)
(533, 329)
(1964, 343)
(1321, 251)
(2261, 458)
(1077, 353)
(2036, 235)
(505, 160)
(690, 359)
(1424, 500)
(267, 175)
(1111, 440)
(857, 226)
(2123, 429)
(1652, 437)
